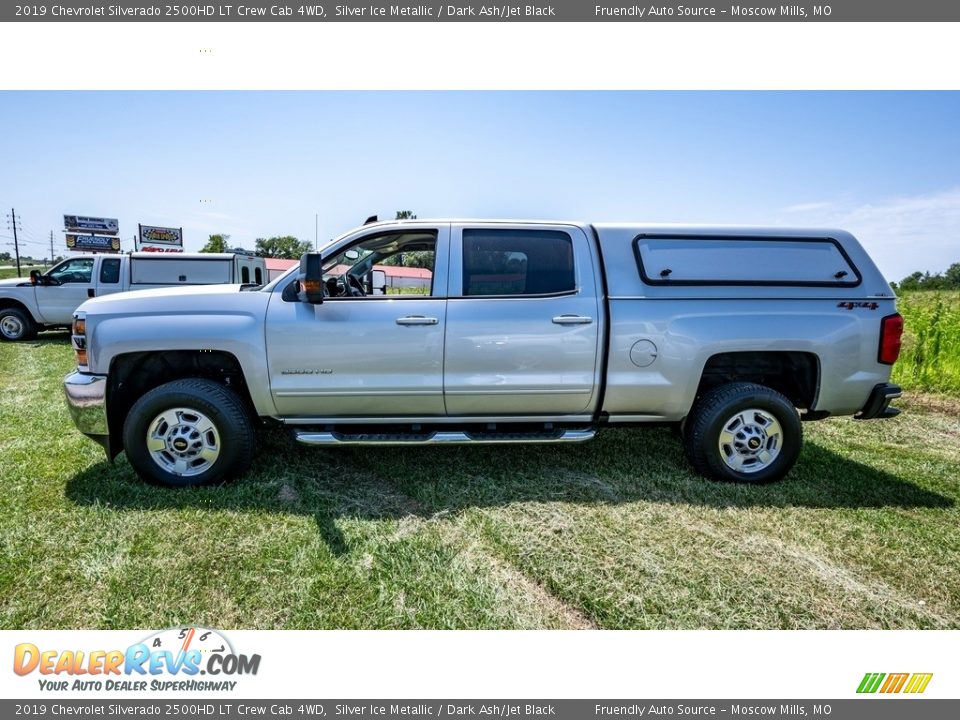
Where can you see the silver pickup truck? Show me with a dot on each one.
(522, 332)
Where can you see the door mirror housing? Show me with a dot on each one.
(310, 279)
(38, 278)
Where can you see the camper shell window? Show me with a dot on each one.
(727, 260)
(182, 271)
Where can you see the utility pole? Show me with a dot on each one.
(16, 245)
(316, 231)
(51, 248)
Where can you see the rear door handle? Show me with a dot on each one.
(416, 320)
(572, 320)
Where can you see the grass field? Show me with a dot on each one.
(930, 359)
(618, 533)
(11, 272)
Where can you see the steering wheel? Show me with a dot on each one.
(353, 286)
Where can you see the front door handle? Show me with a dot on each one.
(572, 320)
(416, 320)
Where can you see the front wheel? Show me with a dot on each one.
(15, 324)
(743, 432)
(189, 432)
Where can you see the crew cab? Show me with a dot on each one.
(528, 332)
(48, 300)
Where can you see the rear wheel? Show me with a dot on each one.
(16, 324)
(743, 432)
(189, 432)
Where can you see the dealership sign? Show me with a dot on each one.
(162, 239)
(97, 243)
(83, 223)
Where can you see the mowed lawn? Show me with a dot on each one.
(617, 533)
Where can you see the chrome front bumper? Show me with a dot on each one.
(87, 400)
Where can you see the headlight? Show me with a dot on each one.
(79, 339)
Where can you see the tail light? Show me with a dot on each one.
(891, 330)
(79, 338)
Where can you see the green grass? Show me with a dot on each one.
(930, 359)
(617, 533)
(11, 272)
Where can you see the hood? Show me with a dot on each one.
(13, 282)
(188, 300)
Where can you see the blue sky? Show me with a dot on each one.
(252, 164)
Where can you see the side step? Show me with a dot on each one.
(441, 437)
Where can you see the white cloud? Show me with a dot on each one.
(902, 234)
(808, 207)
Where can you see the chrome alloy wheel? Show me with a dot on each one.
(12, 327)
(183, 441)
(750, 440)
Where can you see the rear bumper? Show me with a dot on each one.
(878, 404)
(87, 401)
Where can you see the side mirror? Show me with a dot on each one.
(310, 279)
(35, 277)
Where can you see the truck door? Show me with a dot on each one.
(359, 354)
(75, 283)
(523, 321)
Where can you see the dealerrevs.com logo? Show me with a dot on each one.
(888, 683)
(179, 659)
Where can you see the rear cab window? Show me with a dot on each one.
(726, 260)
(110, 271)
(502, 262)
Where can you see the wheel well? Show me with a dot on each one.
(794, 374)
(134, 374)
(8, 303)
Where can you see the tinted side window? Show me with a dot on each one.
(110, 271)
(258, 276)
(245, 274)
(517, 262)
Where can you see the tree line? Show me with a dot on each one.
(286, 247)
(948, 280)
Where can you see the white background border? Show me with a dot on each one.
(463, 664)
(785, 55)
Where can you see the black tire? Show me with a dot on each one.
(16, 324)
(717, 411)
(233, 440)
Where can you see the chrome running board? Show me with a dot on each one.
(441, 437)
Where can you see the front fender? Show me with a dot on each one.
(238, 333)
(23, 296)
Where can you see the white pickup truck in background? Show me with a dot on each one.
(47, 300)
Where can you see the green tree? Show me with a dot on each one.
(912, 281)
(952, 276)
(286, 247)
(949, 280)
(406, 215)
(216, 244)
